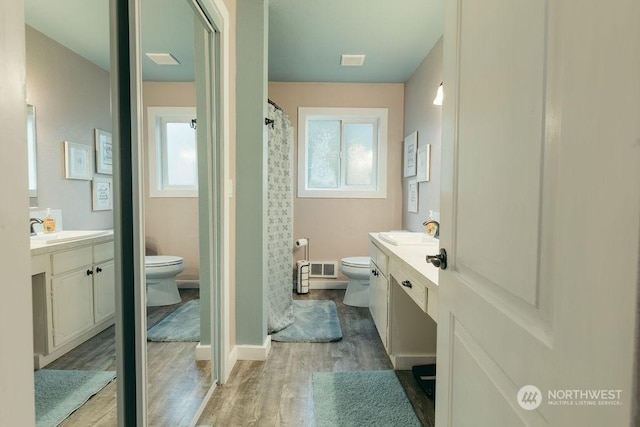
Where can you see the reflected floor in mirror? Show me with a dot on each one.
(177, 383)
(279, 392)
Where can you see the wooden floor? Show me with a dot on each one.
(278, 392)
(177, 383)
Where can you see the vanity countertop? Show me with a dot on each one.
(414, 256)
(70, 239)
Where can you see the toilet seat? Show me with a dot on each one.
(357, 261)
(161, 261)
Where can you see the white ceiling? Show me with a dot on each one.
(306, 37)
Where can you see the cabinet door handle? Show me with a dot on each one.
(89, 272)
(99, 270)
(406, 284)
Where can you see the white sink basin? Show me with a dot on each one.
(67, 236)
(406, 238)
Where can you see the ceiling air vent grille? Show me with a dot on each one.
(326, 269)
(352, 60)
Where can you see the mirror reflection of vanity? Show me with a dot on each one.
(32, 151)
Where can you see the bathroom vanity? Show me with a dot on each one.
(73, 281)
(404, 300)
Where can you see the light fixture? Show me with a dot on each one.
(352, 60)
(163, 58)
(439, 96)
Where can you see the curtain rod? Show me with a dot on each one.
(277, 107)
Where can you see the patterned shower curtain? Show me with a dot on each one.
(280, 221)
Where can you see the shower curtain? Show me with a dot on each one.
(280, 221)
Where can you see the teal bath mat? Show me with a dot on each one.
(58, 393)
(361, 398)
(181, 325)
(314, 321)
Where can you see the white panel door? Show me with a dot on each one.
(540, 213)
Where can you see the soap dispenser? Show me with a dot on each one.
(49, 223)
(431, 226)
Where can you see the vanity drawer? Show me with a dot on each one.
(70, 260)
(103, 252)
(379, 258)
(411, 284)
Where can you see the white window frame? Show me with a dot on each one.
(351, 115)
(156, 116)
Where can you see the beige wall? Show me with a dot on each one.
(339, 228)
(421, 115)
(16, 330)
(72, 98)
(171, 223)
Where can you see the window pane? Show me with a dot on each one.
(359, 167)
(323, 155)
(182, 168)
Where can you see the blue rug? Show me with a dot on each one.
(59, 393)
(361, 398)
(181, 325)
(314, 321)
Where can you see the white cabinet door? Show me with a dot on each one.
(104, 291)
(72, 305)
(540, 213)
(379, 301)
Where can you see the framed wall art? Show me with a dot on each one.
(410, 145)
(412, 196)
(77, 161)
(102, 190)
(424, 163)
(104, 153)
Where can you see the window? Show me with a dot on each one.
(173, 161)
(342, 152)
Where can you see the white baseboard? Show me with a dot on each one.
(188, 284)
(404, 362)
(254, 352)
(203, 352)
(327, 284)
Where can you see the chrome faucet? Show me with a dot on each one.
(437, 226)
(34, 221)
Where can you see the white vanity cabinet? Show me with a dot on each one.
(404, 301)
(73, 294)
(379, 292)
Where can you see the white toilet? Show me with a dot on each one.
(357, 271)
(161, 272)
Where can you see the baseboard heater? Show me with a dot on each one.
(302, 277)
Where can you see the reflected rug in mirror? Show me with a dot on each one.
(181, 325)
(361, 398)
(59, 392)
(314, 321)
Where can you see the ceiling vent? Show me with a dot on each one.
(163, 58)
(352, 60)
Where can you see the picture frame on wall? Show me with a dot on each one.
(104, 152)
(412, 196)
(102, 191)
(423, 163)
(77, 161)
(410, 147)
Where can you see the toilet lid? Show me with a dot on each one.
(357, 261)
(162, 261)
